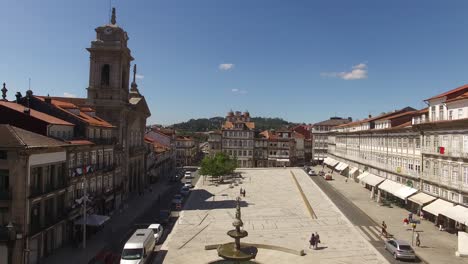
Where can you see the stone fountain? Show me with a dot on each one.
(234, 251)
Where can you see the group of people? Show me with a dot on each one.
(242, 192)
(314, 240)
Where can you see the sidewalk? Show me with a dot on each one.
(119, 223)
(436, 246)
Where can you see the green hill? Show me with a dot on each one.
(214, 123)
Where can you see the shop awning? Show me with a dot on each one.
(93, 220)
(352, 170)
(283, 160)
(372, 179)
(341, 166)
(362, 175)
(458, 213)
(326, 160)
(437, 206)
(333, 162)
(422, 198)
(405, 191)
(399, 190)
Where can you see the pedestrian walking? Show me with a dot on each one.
(240, 191)
(384, 229)
(421, 214)
(317, 240)
(312, 241)
(418, 240)
(243, 192)
(410, 217)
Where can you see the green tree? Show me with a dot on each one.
(218, 165)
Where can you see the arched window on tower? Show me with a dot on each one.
(105, 74)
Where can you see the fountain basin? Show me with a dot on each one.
(228, 251)
(237, 234)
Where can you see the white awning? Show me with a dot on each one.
(333, 162)
(325, 161)
(422, 198)
(399, 190)
(372, 179)
(362, 175)
(352, 170)
(437, 206)
(342, 166)
(405, 191)
(458, 213)
(283, 160)
(93, 220)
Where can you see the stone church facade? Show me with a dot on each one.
(126, 109)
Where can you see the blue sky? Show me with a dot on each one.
(303, 61)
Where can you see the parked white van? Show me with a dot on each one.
(139, 247)
(157, 230)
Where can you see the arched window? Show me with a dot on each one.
(105, 74)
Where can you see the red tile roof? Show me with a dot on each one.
(63, 105)
(458, 98)
(35, 114)
(452, 93)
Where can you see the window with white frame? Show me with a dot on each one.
(435, 190)
(79, 160)
(454, 197)
(454, 177)
(465, 175)
(445, 172)
(465, 144)
(460, 113)
(93, 157)
(443, 193)
(456, 144)
(465, 199)
(450, 117)
(426, 187)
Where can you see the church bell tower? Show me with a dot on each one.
(109, 66)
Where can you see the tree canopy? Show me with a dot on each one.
(218, 165)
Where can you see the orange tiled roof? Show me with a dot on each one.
(36, 114)
(460, 97)
(229, 125)
(451, 93)
(184, 138)
(91, 120)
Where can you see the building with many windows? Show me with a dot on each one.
(238, 138)
(186, 150)
(320, 132)
(419, 158)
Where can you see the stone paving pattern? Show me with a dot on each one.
(273, 213)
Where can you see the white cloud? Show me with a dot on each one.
(357, 72)
(139, 76)
(226, 66)
(238, 91)
(69, 95)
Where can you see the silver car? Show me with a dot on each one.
(400, 249)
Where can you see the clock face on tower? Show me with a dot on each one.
(108, 31)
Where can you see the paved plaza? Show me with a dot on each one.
(274, 213)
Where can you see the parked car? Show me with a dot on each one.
(178, 199)
(312, 173)
(164, 216)
(188, 184)
(188, 175)
(328, 177)
(307, 168)
(185, 190)
(157, 230)
(321, 173)
(400, 249)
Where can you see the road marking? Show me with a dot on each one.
(377, 231)
(362, 233)
(369, 230)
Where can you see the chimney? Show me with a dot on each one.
(350, 119)
(48, 99)
(18, 97)
(370, 116)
